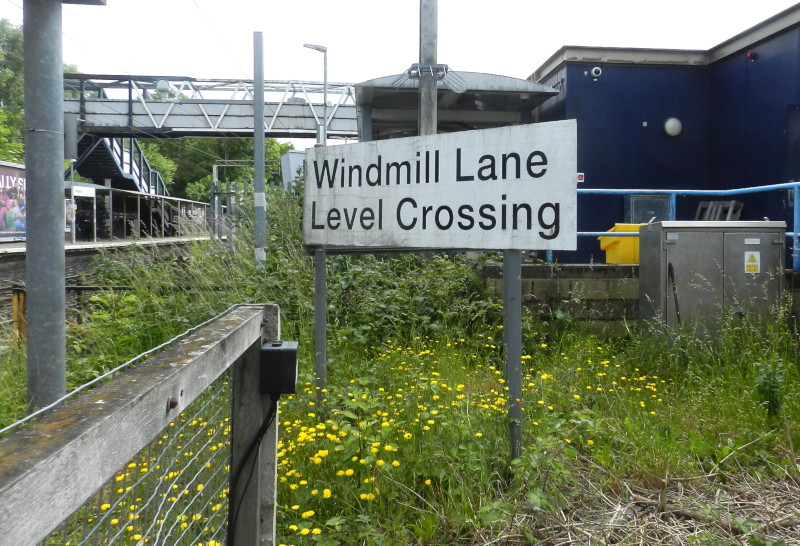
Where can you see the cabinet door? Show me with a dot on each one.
(693, 292)
(753, 271)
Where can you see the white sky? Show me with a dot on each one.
(367, 39)
(372, 38)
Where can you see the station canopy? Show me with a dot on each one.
(388, 106)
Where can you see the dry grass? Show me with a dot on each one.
(714, 509)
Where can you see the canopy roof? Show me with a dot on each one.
(388, 106)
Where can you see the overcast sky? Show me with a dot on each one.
(372, 38)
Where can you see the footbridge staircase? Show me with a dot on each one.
(114, 111)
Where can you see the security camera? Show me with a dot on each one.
(596, 72)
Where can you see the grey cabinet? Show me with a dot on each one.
(693, 272)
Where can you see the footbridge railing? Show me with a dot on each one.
(140, 106)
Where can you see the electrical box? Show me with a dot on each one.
(693, 272)
(278, 374)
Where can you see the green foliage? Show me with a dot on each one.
(165, 166)
(10, 148)
(199, 190)
(194, 159)
(11, 85)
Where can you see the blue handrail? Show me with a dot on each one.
(794, 234)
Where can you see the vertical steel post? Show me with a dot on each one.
(324, 137)
(673, 206)
(320, 324)
(260, 212)
(320, 259)
(795, 228)
(512, 340)
(428, 39)
(44, 147)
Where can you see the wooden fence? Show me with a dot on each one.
(49, 468)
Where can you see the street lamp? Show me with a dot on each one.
(322, 133)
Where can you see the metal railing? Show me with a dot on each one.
(130, 159)
(791, 187)
(178, 106)
(145, 456)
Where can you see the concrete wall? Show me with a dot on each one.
(607, 296)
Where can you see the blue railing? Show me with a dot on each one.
(794, 234)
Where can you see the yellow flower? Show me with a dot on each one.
(307, 514)
(326, 493)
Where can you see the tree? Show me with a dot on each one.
(195, 159)
(165, 166)
(12, 99)
(10, 150)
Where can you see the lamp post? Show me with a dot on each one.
(322, 133)
(320, 259)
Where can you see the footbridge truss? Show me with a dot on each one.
(153, 106)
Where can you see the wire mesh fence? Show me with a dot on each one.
(175, 491)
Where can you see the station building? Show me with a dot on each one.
(724, 118)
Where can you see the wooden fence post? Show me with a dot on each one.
(18, 312)
(254, 463)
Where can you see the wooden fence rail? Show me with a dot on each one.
(50, 467)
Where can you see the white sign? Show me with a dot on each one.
(505, 188)
(83, 191)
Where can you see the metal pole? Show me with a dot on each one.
(428, 37)
(795, 229)
(324, 136)
(512, 339)
(73, 209)
(320, 259)
(320, 324)
(214, 203)
(44, 146)
(260, 197)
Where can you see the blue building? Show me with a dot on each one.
(724, 118)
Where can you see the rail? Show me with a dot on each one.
(153, 452)
(673, 195)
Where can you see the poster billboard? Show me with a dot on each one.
(12, 201)
(504, 188)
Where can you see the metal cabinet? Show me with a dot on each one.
(693, 272)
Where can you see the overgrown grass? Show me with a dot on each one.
(411, 444)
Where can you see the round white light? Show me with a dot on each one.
(673, 127)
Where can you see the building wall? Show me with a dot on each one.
(741, 128)
(621, 142)
(749, 111)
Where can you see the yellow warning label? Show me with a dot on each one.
(752, 262)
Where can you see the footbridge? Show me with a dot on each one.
(156, 106)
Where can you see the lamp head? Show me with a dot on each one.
(315, 47)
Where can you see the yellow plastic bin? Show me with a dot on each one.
(621, 250)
